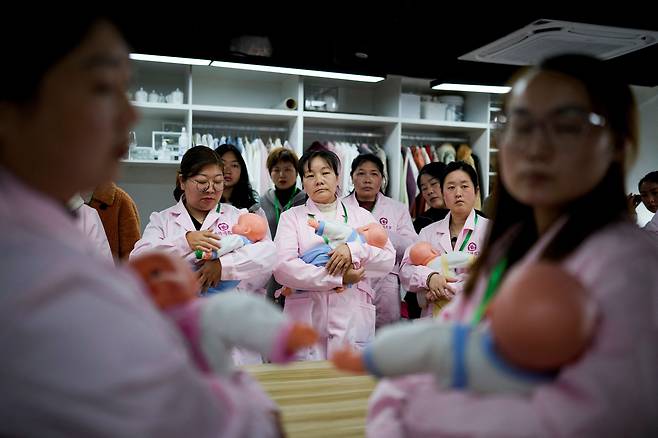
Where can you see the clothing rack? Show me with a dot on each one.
(435, 139)
(343, 133)
(243, 128)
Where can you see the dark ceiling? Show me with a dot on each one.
(418, 47)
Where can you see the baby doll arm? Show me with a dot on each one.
(458, 357)
(333, 233)
(227, 244)
(242, 320)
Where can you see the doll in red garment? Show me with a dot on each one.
(214, 325)
(541, 320)
(334, 234)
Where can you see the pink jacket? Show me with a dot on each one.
(252, 263)
(101, 358)
(414, 278)
(90, 223)
(338, 317)
(610, 391)
(395, 219)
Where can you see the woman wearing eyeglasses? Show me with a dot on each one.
(570, 133)
(198, 221)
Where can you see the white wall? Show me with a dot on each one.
(647, 159)
(150, 185)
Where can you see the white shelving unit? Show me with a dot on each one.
(224, 97)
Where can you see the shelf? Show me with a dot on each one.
(240, 113)
(149, 162)
(342, 119)
(493, 150)
(152, 110)
(443, 125)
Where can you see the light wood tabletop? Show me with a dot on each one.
(315, 399)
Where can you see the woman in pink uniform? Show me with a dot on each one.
(368, 176)
(462, 230)
(84, 350)
(198, 221)
(570, 133)
(339, 317)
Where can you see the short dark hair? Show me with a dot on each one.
(374, 159)
(460, 165)
(434, 169)
(649, 177)
(281, 155)
(195, 159)
(328, 156)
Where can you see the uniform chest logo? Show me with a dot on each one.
(383, 221)
(472, 247)
(222, 227)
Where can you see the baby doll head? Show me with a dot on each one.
(422, 253)
(169, 280)
(251, 226)
(374, 234)
(542, 316)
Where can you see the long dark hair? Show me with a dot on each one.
(605, 204)
(194, 160)
(242, 195)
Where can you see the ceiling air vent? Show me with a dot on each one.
(544, 38)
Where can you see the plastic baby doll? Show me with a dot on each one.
(336, 233)
(450, 265)
(250, 228)
(541, 319)
(214, 325)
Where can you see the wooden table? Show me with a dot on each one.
(316, 400)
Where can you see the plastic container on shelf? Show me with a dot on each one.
(432, 110)
(410, 106)
(183, 142)
(454, 107)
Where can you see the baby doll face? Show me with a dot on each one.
(169, 281)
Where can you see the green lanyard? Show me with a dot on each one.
(468, 235)
(277, 205)
(492, 286)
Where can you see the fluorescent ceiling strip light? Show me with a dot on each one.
(169, 59)
(474, 88)
(297, 71)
